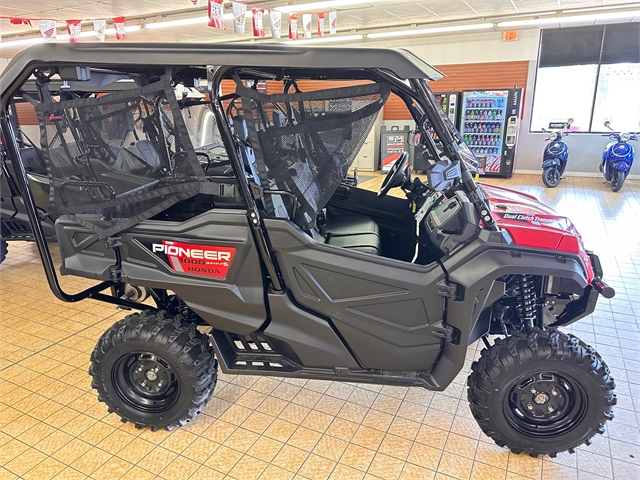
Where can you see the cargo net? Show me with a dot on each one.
(304, 143)
(119, 159)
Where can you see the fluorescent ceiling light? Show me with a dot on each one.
(345, 38)
(21, 43)
(319, 6)
(599, 9)
(541, 22)
(429, 31)
(176, 23)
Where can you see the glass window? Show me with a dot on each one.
(618, 98)
(562, 93)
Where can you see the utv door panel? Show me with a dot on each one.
(386, 310)
(232, 301)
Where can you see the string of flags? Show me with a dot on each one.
(216, 19)
(215, 12)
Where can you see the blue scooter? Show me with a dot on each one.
(556, 154)
(617, 157)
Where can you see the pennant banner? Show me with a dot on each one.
(239, 16)
(257, 20)
(48, 30)
(20, 21)
(306, 24)
(333, 22)
(99, 27)
(321, 24)
(276, 23)
(216, 13)
(118, 22)
(196, 3)
(74, 28)
(293, 26)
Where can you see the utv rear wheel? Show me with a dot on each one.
(3, 250)
(154, 369)
(617, 180)
(541, 393)
(551, 176)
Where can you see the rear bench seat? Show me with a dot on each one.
(354, 232)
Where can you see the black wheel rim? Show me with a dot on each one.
(545, 405)
(146, 382)
(553, 176)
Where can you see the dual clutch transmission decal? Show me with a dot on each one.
(205, 260)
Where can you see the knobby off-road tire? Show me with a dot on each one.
(154, 370)
(541, 393)
(3, 250)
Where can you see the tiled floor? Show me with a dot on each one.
(51, 425)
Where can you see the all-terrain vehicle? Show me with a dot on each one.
(280, 269)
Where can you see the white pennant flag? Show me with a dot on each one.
(306, 24)
(333, 22)
(48, 30)
(239, 16)
(196, 3)
(276, 23)
(99, 27)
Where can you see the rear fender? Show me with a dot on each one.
(475, 269)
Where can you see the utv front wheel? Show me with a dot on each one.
(154, 370)
(541, 393)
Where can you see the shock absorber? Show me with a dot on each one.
(526, 304)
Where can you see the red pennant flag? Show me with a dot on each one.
(196, 3)
(119, 24)
(48, 30)
(74, 28)
(321, 24)
(258, 21)
(293, 26)
(216, 13)
(20, 21)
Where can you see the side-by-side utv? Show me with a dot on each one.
(275, 266)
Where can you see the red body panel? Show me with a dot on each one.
(533, 224)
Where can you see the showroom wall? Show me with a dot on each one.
(585, 148)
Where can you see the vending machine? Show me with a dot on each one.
(449, 102)
(488, 123)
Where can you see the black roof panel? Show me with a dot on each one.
(402, 63)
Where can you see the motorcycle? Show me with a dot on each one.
(556, 154)
(617, 157)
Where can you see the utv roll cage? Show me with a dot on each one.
(94, 67)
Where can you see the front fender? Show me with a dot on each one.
(620, 165)
(553, 162)
(475, 269)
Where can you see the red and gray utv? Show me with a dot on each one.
(270, 265)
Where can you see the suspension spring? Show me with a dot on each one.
(526, 304)
(185, 311)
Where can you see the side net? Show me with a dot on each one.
(304, 143)
(119, 159)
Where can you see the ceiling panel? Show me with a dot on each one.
(374, 14)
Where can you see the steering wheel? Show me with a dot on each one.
(396, 176)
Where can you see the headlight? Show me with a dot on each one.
(553, 136)
(624, 137)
